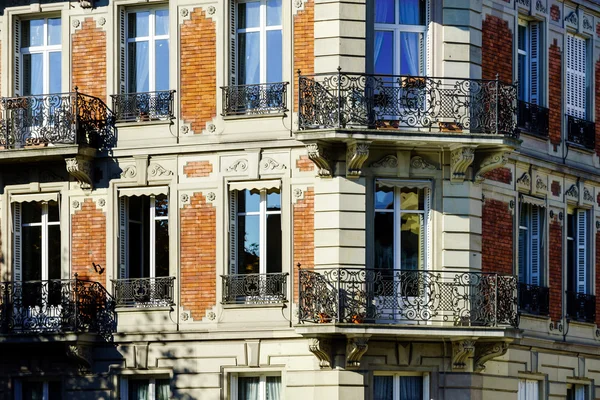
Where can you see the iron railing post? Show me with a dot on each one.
(76, 313)
(339, 98)
(497, 100)
(496, 300)
(76, 115)
(339, 296)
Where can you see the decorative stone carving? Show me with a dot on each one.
(86, 3)
(129, 172)
(184, 129)
(524, 3)
(587, 196)
(460, 159)
(184, 12)
(211, 196)
(75, 23)
(82, 170)
(461, 351)
(541, 7)
(270, 164)
(81, 354)
(157, 170)
(572, 18)
(355, 348)
(587, 23)
(490, 163)
(101, 21)
(524, 180)
(540, 185)
(487, 351)
(573, 192)
(211, 128)
(356, 154)
(388, 161)
(318, 156)
(184, 198)
(240, 165)
(75, 204)
(102, 202)
(321, 348)
(418, 162)
(212, 316)
(211, 10)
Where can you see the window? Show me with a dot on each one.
(41, 56)
(260, 387)
(38, 390)
(577, 257)
(529, 68)
(258, 37)
(577, 82)
(531, 244)
(398, 387)
(145, 389)
(400, 27)
(528, 389)
(577, 392)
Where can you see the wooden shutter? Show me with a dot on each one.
(233, 232)
(232, 42)
(581, 251)
(534, 276)
(122, 51)
(123, 203)
(427, 232)
(427, 51)
(534, 49)
(576, 77)
(17, 243)
(17, 56)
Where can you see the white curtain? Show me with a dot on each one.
(138, 389)
(248, 388)
(162, 389)
(273, 388)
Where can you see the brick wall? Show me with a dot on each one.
(555, 270)
(503, 175)
(197, 169)
(496, 49)
(198, 66)
(598, 108)
(304, 164)
(198, 256)
(497, 237)
(555, 76)
(89, 59)
(304, 235)
(88, 241)
(304, 43)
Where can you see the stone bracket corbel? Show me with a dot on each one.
(356, 155)
(490, 162)
(321, 348)
(462, 350)
(356, 347)
(487, 351)
(460, 159)
(318, 155)
(81, 168)
(81, 354)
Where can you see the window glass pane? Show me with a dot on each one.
(522, 37)
(162, 22)
(383, 388)
(274, 244)
(384, 240)
(412, 199)
(522, 73)
(31, 212)
(31, 252)
(248, 201)
(274, 201)
(384, 53)
(54, 31)
(32, 390)
(135, 238)
(138, 24)
(54, 252)
(55, 72)
(162, 391)
(409, 53)
(249, 60)
(273, 387)
(161, 251)
(274, 57)
(248, 242)
(411, 388)
(412, 12)
(139, 73)
(411, 241)
(33, 33)
(249, 15)
(162, 65)
(384, 198)
(248, 388)
(161, 205)
(53, 212)
(138, 389)
(54, 392)
(385, 11)
(33, 76)
(273, 12)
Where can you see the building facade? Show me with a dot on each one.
(273, 199)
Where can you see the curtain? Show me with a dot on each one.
(162, 389)
(409, 12)
(273, 388)
(409, 53)
(248, 388)
(383, 388)
(138, 389)
(411, 387)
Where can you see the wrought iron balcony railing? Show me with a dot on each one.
(346, 100)
(382, 296)
(55, 119)
(534, 299)
(144, 292)
(581, 132)
(147, 106)
(254, 288)
(533, 119)
(264, 98)
(581, 306)
(56, 306)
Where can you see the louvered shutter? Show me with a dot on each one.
(123, 203)
(17, 243)
(427, 233)
(522, 264)
(233, 232)
(17, 56)
(534, 276)
(581, 251)
(576, 77)
(233, 42)
(427, 52)
(122, 51)
(534, 40)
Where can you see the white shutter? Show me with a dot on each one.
(534, 276)
(576, 77)
(427, 233)
(17, 243)
(233, 232)
(123, 203)
(581, 251)
(427, 52)
(233, 42)
(534, 40)
(122, 51)
(17, 56)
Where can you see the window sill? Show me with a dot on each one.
(535, 136)
(579, 147)
(255, 305)
(533, 316)
(254, 116)
(141, 307)
(133, 123)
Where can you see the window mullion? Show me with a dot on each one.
(397, 231)
(262, 246)
(152, 238)
(44, 241)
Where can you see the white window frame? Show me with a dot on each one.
(534, 244)
(262, 388)
(151, 39)
(577, 71)
(533, 69)
(262, 29)
(124, 386)
(398, 375)
(45, 50)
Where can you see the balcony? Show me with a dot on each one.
(581, 132)
(407, 297)
(260, 99)
(255, 288)
(144, 292)
(581, 307)
(534, 300)
(56, 307)
(533, 119)
(144, 107)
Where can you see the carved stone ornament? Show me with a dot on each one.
(356, 155)
(540, 185)
(318, 156)
(184, 12)
(157, 170)
(572, 18)
(418, 162)
(211, 128)
(573, 192)
(298, 193)
(75, 204)
(524, 180)
(490, 163)
(211, 196)
(487, 351)
(587, 196)
(539, 6)
(355, 349)
(211, 10)
(75, 23)
(524, 3)
(102, 202)
(81, 354)
(101, 21)
(129, 172)
(461, 351)
(270, 164)
(86, 3)
(240, 165)
(460, 159)
(389, 161)
(587, 24)
(321, 348)
(82, 170)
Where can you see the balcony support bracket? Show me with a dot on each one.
(81, 354)
(321, 348)
(81, 168)
(355, 349)
(489, 162)
(461, 159)
(318, 155)
(356, 154)
(488, 351)
(462, 350)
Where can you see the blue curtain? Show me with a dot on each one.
(411, 388)
(383, 388)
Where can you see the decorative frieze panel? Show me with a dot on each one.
(386, 162)
(524, 182)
